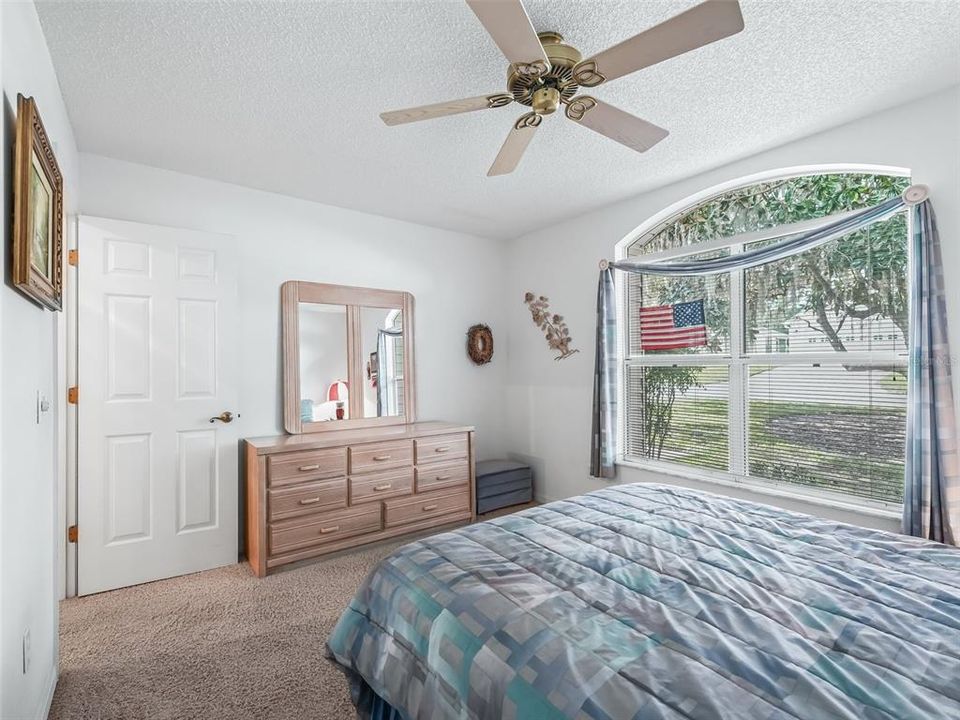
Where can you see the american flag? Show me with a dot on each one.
(668, 327)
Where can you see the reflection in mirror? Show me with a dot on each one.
(381, 332)
(323, 362)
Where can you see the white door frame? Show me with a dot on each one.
(67, 441)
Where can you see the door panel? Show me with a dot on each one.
(157, 481)
(197, 340)
(197, 479)
(128, 497)
(128, 347)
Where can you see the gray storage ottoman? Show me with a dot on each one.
(501, 483)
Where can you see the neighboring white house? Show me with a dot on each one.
(873, 333)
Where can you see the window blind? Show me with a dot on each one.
(833, 426)
(714, 290)
(847, 296)
(678, 414)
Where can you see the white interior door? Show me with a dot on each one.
(157, 480)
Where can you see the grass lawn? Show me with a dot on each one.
(714, 374)
(698, 436)
(895, 383)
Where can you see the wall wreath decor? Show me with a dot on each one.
(480, 344)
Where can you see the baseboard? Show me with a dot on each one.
(46, 701)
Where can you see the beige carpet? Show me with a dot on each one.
(218, 644)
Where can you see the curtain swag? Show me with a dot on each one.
(770, 253)
(931, 507)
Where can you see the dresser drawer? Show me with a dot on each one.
(296, 467)
(432, 476)
(324, 528)
(306, 499)
(380, 456)
(421, 507)
(378, 486)
(442, 448)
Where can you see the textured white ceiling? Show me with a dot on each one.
(285, 97)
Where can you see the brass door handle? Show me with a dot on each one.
(308, 468)
(428, 508)
(380, 488)
(442, 449)
(381, 458)
(225, 417)
(441, 478)
(310, 501)
(324, 531)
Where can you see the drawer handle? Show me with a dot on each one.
(381, 458)
(333, 528)
(428, 508)
(308, 468)
(310, 501)
(441, 478)
(445, 448)
(385, 486)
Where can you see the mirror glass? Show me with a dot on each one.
(323, 362)
(382, 348)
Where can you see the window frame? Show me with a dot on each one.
(736, 359)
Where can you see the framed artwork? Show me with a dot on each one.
(37, 269)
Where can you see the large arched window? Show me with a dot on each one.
(793, 372)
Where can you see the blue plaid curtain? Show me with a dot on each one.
(603, 450)
(931, 501)
(931, 507)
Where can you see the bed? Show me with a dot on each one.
(651, 601)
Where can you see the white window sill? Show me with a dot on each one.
(823, 499)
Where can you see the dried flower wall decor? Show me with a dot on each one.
(553, 326)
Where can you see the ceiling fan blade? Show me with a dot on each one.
(616, 124)
(452, 107)
(510, 27)
(515, 145)
(698, 26)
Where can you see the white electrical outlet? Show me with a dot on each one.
(26, 652)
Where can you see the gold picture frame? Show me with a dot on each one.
(37, 268)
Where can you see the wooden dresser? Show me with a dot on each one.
(308, 495)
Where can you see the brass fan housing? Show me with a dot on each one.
(558, 80)
(546, 100)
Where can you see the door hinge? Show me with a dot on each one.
(73, 395)
(72, 256)
(72, 534)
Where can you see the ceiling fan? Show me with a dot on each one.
(545, 72)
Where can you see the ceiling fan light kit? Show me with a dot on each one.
(544, 72)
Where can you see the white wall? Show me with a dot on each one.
(455, 279)
(31, 538)
(550, 402)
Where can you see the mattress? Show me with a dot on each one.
(647, 601)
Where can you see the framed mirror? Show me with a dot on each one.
(348, 358)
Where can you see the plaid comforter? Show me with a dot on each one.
(647, 601)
